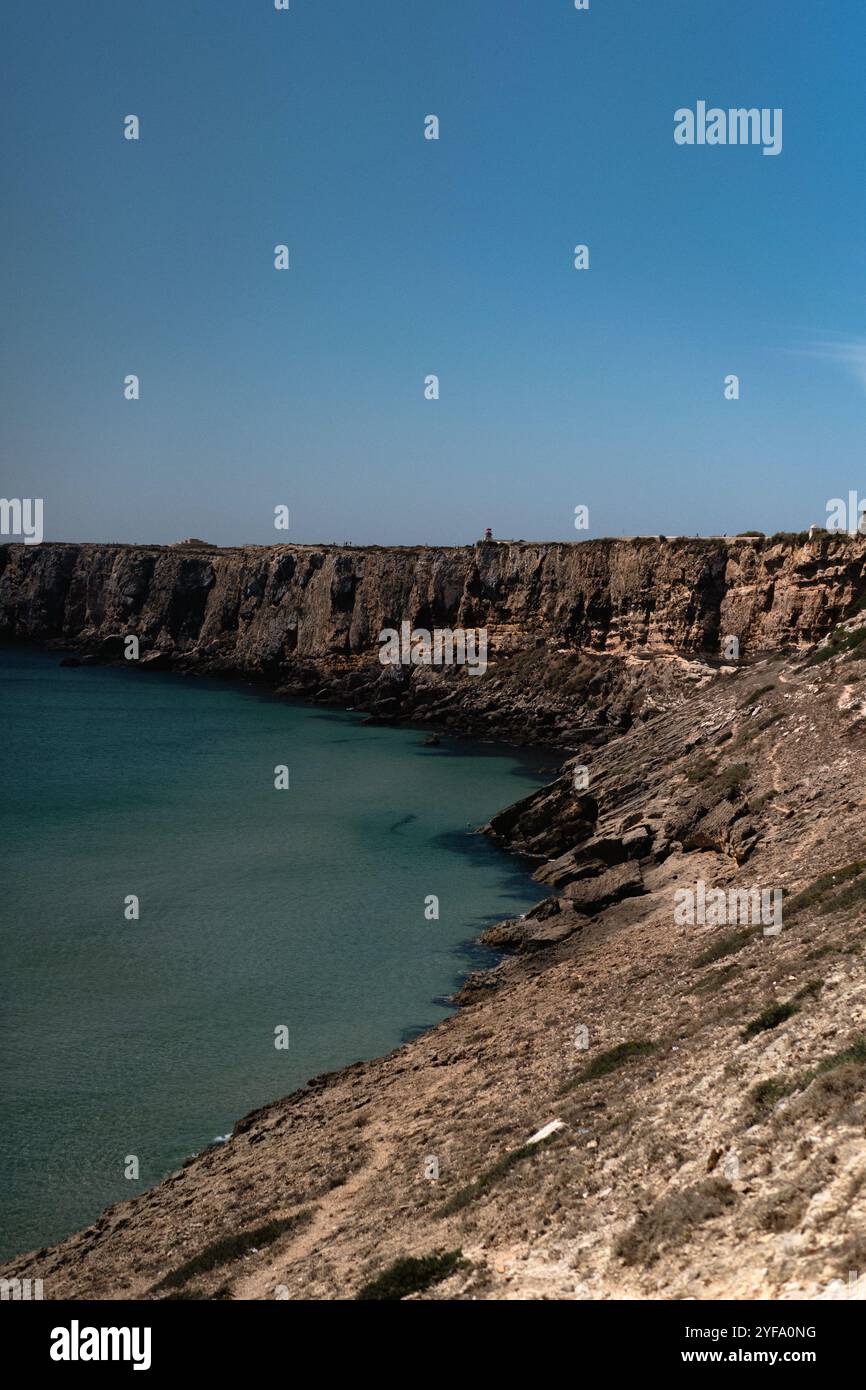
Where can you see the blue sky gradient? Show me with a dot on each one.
(409, 257)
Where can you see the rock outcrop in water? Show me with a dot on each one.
(579, 634)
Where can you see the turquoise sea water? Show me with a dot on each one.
(259, 909)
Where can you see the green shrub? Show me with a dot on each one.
(855, 1053)
(725, 946)
(755, 696)
(191, 1293)
(229, 1248)
(753, 728)
(766, 1095)
(825, 884)
(840, 640)
(700, 770)
(609, 1061)
(733, 776)
(768, 1018)
(809, 991)
(411, 1275)
(491, 1175)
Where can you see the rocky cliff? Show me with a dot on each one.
(701, 1083)
(571, 627)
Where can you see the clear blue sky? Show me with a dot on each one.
(411, 257)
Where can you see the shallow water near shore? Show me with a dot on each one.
(259, 909)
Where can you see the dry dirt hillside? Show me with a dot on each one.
(710, 1079)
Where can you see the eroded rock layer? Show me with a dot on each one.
(579, 634)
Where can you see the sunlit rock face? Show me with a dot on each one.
(570, 628)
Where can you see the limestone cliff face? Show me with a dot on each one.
(565, 619)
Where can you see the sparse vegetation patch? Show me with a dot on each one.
(611, 1060)
(733, 776)
(766, 1095)
(411, 1275)
(850, 1062)
(855, 1053)
(755, 695)
(700, 770)
(826, 886)
(671, 1220)
(491, 1175)
(840, 640)
(228, 1248)
(768, 1018)
(716, 980)
(725, 946)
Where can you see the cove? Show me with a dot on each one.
(260, 910)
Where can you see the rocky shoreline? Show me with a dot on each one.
(721, 1042)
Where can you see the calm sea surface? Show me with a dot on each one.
(259, 909)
